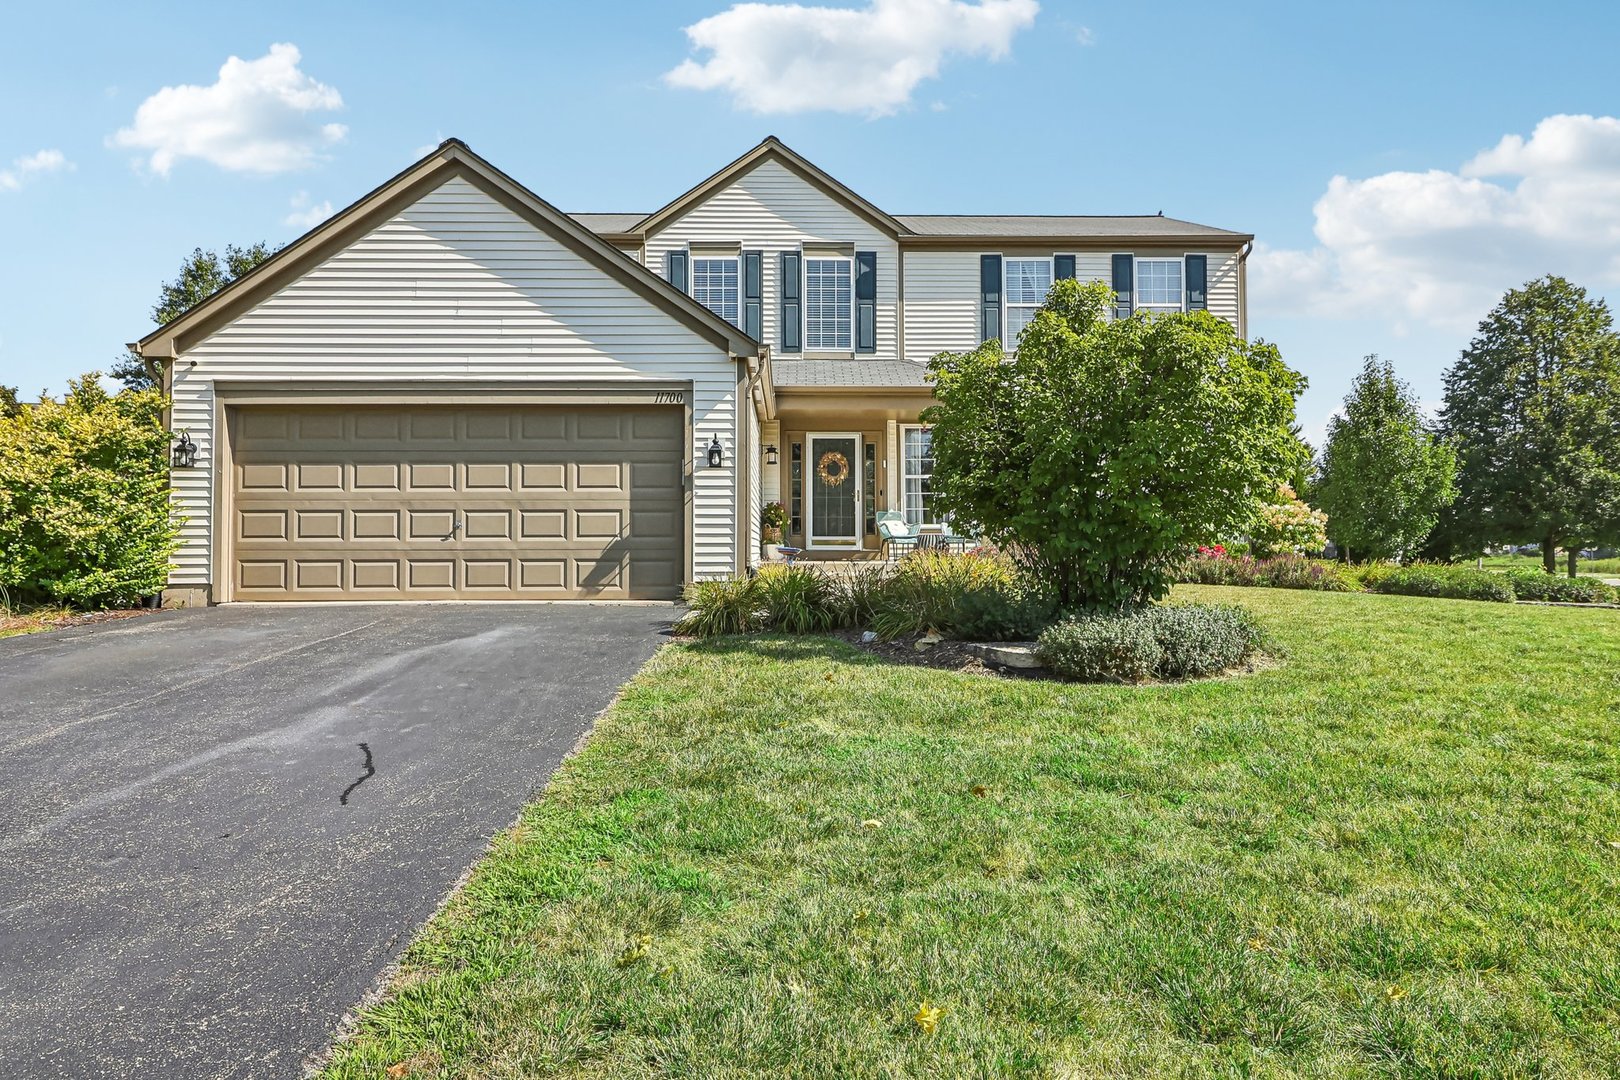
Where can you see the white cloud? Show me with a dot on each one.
(1440, 247)
(1085, 36)
(788, 58)
(305, 215)
(27, 167)
(258, 116)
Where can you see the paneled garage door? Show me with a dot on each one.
(475, 502)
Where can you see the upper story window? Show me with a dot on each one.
(829, 300)
(1159, 284)
(715, 286)
(1027, 282)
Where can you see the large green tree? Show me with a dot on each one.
(202, 275)
(1533, 408)
(1104, 449)
(1384, 476)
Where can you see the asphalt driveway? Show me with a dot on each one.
(218, 826)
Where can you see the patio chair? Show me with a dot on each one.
(898, 537)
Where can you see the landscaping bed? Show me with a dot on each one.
(32, 622)
(1389, 856)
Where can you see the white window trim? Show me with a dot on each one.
(906, 474)
(1136, 282)
(1009, 344)
(806, 349)
(692, 258)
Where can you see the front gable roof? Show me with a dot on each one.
(452, 158)
(772, 149)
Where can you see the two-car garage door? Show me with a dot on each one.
(471, 502)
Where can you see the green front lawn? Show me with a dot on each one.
(1396, 853)
(1595, 567)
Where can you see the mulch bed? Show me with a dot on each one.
(944, 655)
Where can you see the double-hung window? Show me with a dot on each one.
(1159, 284)
(715, 286)
(917, 476)
(829, 303)
(1028, 282)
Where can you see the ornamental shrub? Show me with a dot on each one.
(925, 590)
(1118, 648)
(1284, 525)
(1278, 572)
(1202, 639)
(1446, 582)
(1539, 585)
(1103, 448)
(84, 497)
(797, 599)
(1169, 641)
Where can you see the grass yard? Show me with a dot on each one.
(1397, 853)
(1595, 567)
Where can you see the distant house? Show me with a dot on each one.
(454, 389)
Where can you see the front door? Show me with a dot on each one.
(835, 491)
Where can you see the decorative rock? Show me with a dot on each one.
(1009, 654)
(928, 641)
(867, 637)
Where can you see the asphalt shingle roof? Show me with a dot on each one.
(1055, 225)
(607, 223)
(846, 373)
(1034, 226)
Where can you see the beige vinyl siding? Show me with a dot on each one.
(456, 289)
(773, 209)
(942, 293)
(942, 302)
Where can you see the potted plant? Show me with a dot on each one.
(773, 518)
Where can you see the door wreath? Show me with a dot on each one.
(833, 468)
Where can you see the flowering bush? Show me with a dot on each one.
(1211, 566)
(1285, 525)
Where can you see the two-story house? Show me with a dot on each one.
(452, 389)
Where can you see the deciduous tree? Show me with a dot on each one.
(1103, 449)
(202, 275)
(1384, 476)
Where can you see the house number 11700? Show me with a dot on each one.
(668, 397)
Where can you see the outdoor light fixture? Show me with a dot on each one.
(770, 455)
(716, 455)
(185, 452)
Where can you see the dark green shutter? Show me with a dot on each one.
(789, 313)
(989, 297)
(675, 269)
(1123, 269)
(1063, 267)
(865, 301)
(1197, 282)
(753, 292)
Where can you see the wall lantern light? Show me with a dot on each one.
(770, 455)
(185, 452)
(716, 455)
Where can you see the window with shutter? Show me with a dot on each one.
(1028, 282)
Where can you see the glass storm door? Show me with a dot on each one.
(835, 491)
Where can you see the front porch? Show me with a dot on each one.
(847, 455)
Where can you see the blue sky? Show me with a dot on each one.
(1240, 116)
